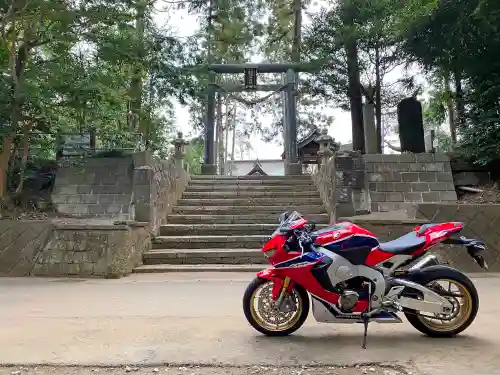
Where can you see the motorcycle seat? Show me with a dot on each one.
(406, 244)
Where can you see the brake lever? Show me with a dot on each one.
(303, 239)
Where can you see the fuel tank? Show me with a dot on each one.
(346, 239)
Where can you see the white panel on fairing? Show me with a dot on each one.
(344, 272)
(336, 275)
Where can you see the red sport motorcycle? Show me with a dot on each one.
(353, 278)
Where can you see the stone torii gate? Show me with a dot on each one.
(289, 88)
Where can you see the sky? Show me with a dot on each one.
(184, 24)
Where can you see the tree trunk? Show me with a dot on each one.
(233, 144)
(222, 139)
(24, 158)
(459, 98)
(354, 84)
(136, 82)
(218, 129)
(378, 99)
(297, 30)
(451, 110)
(226, 140)
(4, 163)
(17, 60)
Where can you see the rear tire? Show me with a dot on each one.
(435, 273)
(258, 323)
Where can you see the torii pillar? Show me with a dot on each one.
(292, 164)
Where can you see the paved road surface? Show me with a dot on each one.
(180, 319)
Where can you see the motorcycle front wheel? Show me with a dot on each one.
(259, 310)
(459, 290)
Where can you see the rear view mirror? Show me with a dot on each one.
(312, 226)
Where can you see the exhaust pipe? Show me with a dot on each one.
(427, 260)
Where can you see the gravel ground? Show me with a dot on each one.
(197, 370)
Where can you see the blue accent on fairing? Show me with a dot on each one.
(352, 243)
(309, 257)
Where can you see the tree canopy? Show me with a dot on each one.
(108, 69)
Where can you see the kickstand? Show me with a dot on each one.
(365, 323)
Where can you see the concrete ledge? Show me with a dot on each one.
(381, 221)
(160, 268)
(84, 227)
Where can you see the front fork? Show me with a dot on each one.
(283, 293)
(282, 285)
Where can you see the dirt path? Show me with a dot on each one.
(254, 370)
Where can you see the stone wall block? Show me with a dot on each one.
(412, 197)
(385, 186)
(427, 176)
(419, 186)
(410, 177)
(444, 177)
(425, 158)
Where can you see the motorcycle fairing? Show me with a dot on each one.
(304, 272)
(345, 251)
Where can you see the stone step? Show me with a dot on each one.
(238, 219)
(235, 210)
(250, 201)
(210, 242)
(163, 268)
(219, 229)
(273, 182)
(249, 193)
(202, 256)
(249, 178)
(252, 188)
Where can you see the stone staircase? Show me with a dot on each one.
(221, 222)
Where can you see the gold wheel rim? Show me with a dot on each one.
(462, 309)
(273, 320)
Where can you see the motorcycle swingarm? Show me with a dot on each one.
(431, 303)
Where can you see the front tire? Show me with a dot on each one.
(284, 324)
(466, 312)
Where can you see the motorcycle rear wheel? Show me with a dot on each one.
(275, 323)
(466, 312)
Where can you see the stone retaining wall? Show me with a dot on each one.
(94, 187)
(351, 188)
(397, 180)
(481, 221)
(138, 187)
(45, 248)
(20, 243)
(157, 186)
(324, 179)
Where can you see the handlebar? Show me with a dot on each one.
(303, 237)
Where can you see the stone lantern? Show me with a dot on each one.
(179, 149)
(327, 146)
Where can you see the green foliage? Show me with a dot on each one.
(434, 115)
(106, 68)
(379, 47)
(80, 61)
(109, 154)
(461, 38)
(194, 155)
